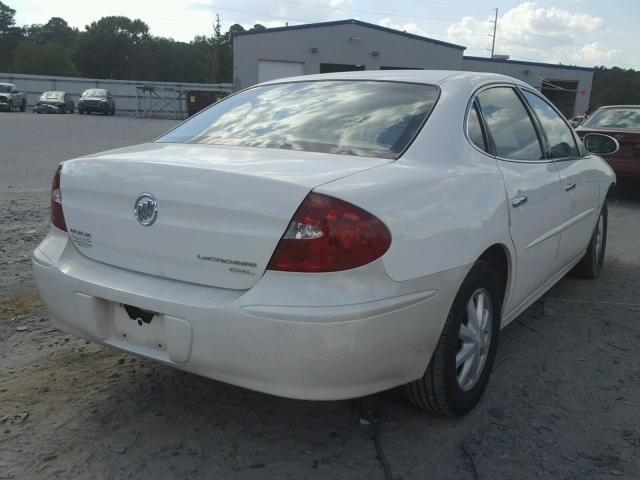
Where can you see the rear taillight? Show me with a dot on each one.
(327, 235)
(57, 216)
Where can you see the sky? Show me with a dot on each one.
(576, 32)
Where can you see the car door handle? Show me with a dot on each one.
(569, 186)
(519, 201)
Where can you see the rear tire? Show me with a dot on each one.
(591, 264)
(462, 361)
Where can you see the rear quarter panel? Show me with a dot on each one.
(443, 200)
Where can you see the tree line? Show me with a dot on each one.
(114, 47)
(615, 86)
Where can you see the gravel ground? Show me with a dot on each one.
(563, 402)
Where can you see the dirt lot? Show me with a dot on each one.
(563, 403)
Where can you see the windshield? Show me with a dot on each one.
(627, 118)
(95, 92)
(366, 118)
(5, 88)
(53, 95)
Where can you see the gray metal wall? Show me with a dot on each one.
(334, 46)
(534, 73)
(124, 91)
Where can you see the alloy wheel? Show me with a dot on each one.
(474, 339)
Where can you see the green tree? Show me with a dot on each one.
(615, 86)
(56, 30)
(48, 59)
(109, 47)
(10, 36)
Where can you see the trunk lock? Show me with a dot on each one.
(138, 315)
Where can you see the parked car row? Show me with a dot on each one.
(93, 100)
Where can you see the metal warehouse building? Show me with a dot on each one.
(346, 45)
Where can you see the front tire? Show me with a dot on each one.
(462, 361)
(23, 105)
(591, 264)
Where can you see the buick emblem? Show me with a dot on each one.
(145, 209)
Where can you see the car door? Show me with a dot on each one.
(577, 176)
(532, 186)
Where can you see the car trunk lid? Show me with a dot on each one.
(221, 210)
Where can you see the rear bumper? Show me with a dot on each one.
(267, 338)
(47, 109)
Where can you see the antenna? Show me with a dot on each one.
(495, 28)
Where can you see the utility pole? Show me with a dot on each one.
(495, 28)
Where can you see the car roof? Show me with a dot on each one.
(618, 106)
(433, 77)
(11, 84)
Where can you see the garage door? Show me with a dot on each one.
(270, 70)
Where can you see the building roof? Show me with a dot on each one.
(351, 22)
(521, 62)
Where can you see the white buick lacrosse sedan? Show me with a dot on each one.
(331, 236)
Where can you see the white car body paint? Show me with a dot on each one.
(308, 335)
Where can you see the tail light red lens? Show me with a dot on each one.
(57, 216)
(328, 235)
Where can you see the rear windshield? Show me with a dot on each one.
(615, 118)
(365, 118)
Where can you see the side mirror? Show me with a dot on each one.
(600, 144)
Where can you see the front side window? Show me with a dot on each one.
(509, 124)
(626, 118)
(559, 134)
(365, 118)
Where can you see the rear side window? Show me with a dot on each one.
(509, 124)
(474, 129)
(365, 118)
(559, 134)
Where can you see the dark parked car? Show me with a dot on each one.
(54, 102)
(97, 100)
(621, 122)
